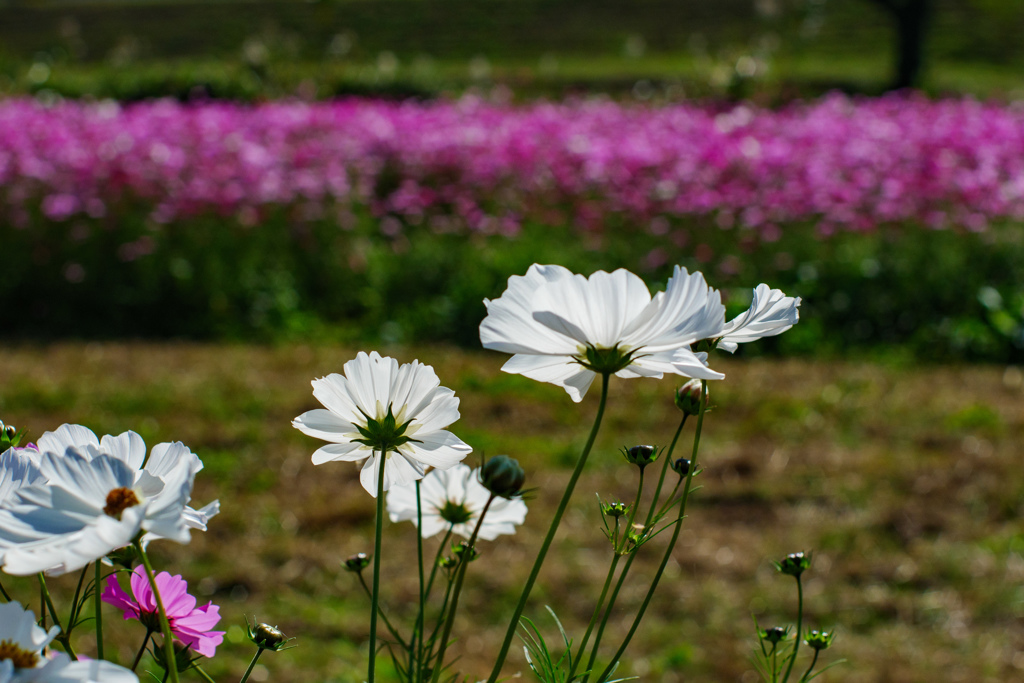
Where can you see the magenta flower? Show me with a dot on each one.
(190, 624)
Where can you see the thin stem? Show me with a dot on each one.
(76, 608)
(632, 515)
(64, 639)
(202, 674)
(145, 642)
(437, 558)
(7, 598)
(441, 614)
(664, 470)
(514, 622)
(252, 665)
(416, 656)
(799, 624)
(467, 557)
(597, 610)
(98, 606)
(607, 615)
(375, 596)
(807, 673)
(387, 622)
(775, 665)
(672, 542)
(165, 626)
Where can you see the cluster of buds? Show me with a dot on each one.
(464, 552)
(614, 509)
(8, 437)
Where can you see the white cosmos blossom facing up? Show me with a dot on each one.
(771, 312)
(551, 319)
(88, 508)
(22, 659)
(355, 420)
(163, 462)
(455, 498)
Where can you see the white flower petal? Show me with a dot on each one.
(127, 447)
(67, 436)
(350, 452)
(324, 424)
(771, 312)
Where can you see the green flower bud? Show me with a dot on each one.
(641, 456)
(463, 550)
(447, 563)
(794, 564)
(267, 637)
(681, 467)
(614, 510)
(357, 562)
(502, 476)
(774, 635)
(688, 397)
(10, 431)
(820, 640)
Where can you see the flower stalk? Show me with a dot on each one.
(171, 662)
(556, 520)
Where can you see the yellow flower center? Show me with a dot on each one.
(22, 659)
(119, 500)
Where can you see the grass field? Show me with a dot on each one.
(903, 479)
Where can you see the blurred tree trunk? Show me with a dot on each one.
(911, 17)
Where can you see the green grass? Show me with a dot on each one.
(902, 478)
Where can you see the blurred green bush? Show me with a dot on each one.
(938, 295)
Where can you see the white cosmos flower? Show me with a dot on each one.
(564, 328)
(88, 508)
(163, 462)
(357, 423)
(455, 498)
(22, 659)
(771, 312)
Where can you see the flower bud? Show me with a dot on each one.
(794, 564)
(681, 467)
(267, 637)
(465, 551)
(688, 397)
(447, 563)
(774, 635)
(819, 640)
(10, 431)
(641, 456)
(503, 476)
(357, 562)
(614, 510)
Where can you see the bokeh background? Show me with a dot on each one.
(205, 205)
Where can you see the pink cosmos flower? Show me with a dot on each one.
(189, 623)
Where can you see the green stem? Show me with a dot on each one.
(7, 598)
(165, 626)
(252, 665)
(593, 618)
(98, 605)
(774, 663)
(514, 623)
(804, 679)
(607, 614)
(437, 558)
(671, 543)
(375, 596)
(799, 624)
(145, 642)
(64, 638)
(459, 577)
(387, 622)
(202, 674)
(416, 656)
(632, 515)
(76, 607)
(664, 470)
